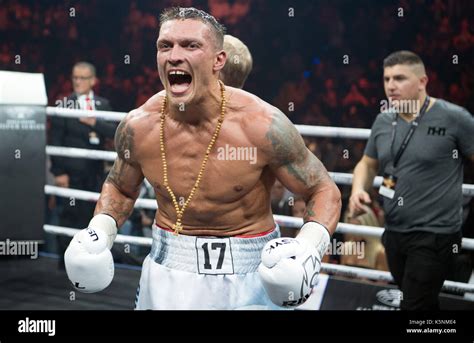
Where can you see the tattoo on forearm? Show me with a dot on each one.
(289, 151)
(116, 173)
(120, 210)
(309, 212)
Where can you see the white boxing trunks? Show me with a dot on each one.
(203, 273)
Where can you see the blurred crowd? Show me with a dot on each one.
(319, 62)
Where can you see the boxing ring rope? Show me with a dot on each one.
(93, 196)
(77, 113)
(287, 221)
(333, 132)
(339, 178)
(81, 153)
(346, 180)
(306, 130)
(122, 239)
(332, 269)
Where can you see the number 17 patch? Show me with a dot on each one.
(214, 256)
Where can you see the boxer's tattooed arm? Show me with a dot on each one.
(111, 203)
(124, 140)
(122, 186)
(302, 172)
(289, 152)
(309, 212)
(124, 146)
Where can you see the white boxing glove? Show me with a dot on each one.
(290, 266)
(88, 260)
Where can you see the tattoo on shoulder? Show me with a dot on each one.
(287, 144)
(289, 150)
(124, 147)
(124, 140)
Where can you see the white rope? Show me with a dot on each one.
(339, 178)
(362, 230)
(344, 228)
(346, 179)
(349, 271)
(78, 113)
(81, 153)
(77, 194)
(306, 130)
(333, 269)
(334, 132)
(379, 275)
(122, 239)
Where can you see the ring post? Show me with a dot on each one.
(23, 103)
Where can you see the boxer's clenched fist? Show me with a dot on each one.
(290, 266)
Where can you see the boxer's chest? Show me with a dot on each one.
(232, 169)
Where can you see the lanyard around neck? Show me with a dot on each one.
(409, 135)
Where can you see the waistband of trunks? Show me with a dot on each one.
(197, 254)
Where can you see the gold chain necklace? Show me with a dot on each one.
(177, 227)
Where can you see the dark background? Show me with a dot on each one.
(298, 49)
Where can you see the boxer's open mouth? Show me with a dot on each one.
(179, 80)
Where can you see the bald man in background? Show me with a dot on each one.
(239, 62)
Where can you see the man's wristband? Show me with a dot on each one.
(107, 224)
(324, 226)
(315, 234)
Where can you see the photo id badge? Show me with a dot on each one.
(387, 188)
(93, 138)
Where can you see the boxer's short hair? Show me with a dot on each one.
(176, 13)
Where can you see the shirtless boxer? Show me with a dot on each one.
(215, 243)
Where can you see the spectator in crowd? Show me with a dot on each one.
(373, 256)
(421, 190)
(239, 62)
(86, 133)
